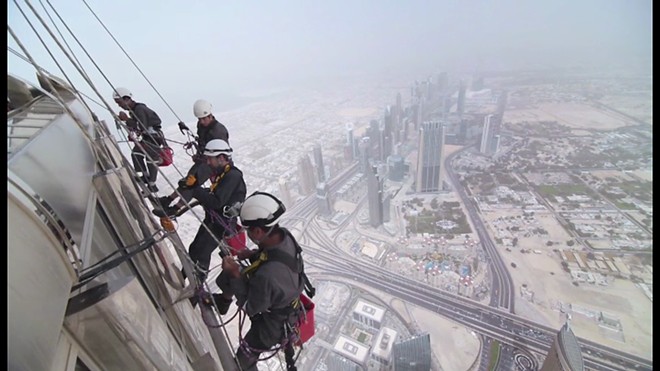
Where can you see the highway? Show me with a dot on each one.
(496, 321)
(502, 290)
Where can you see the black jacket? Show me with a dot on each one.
(145, 121)
(214, 130)
(270, 289)
(229, 190)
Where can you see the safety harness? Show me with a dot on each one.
(295, 263)
(291, 334)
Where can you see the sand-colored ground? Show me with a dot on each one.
(603, 174)
(644, 174)
(543, 274)
(357, 113)
(637, 215)
(639, 105)
(575, 115)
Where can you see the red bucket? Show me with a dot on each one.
(306, 324)
(166, 156)
(237, 242)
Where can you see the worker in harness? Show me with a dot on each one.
(269, 289)
(145, 131)
(208, 129)
(227, 189)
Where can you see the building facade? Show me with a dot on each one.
(368, 314)
(565, 353)
(374, 196)
(430, 158)
(413, 354)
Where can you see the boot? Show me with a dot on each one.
(165, 201)
(222, 303)
(169, 211)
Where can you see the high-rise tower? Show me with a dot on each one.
(351, 150)
(285, 193)
(565, 353)
(489, 141)
(430, 166)
(374, 196)
(460, 104)
(502, 100)
(413, 354)
(386, 134)
(306, 175)
(320, 168)
(323, 199)
(364, 149)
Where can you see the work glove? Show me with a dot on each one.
(188, 182)
(167, 224)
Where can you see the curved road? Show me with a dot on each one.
(502, 290)
(489, 321)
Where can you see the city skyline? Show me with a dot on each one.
(493, 202)
(335, 42)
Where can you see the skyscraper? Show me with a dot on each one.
(405, 129)
(387, 201)
(442, 82)
(374, 196)
(285, 194)
(374, 139)
(323, 199)
(399, 113)
(336, 362)
(565, 353)
(416, 114)
(501, 103)
(320, 168)
(364, 149)
(350, 141)
(462, 131)
(460, 105)
(386, 133)
(395, 168)
(306, 175)
(430, 166)
(489, 143)
(413, 354)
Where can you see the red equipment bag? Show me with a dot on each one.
(306, 322)
(236, 242)
(166, 156)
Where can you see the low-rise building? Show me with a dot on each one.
(381, 350)
(368, 314)
(351, 349)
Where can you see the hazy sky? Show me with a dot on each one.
(216, 49)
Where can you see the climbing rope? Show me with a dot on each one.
(109, 264)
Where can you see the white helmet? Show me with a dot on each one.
(261, 209)
(119, 93)
(202, 108)
(217, 147)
